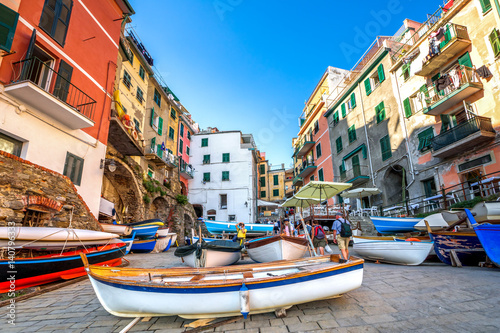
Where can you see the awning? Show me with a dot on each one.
(262, 203)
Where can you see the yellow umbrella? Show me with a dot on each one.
(321, 190)
(300, 202)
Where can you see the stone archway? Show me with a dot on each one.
(393, 185)
(198, 209)
(159, 209)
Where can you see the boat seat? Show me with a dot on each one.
(248, 275)
(197, 277)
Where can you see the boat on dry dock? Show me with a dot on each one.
(210, 254)
(272, 248)
(224, 291)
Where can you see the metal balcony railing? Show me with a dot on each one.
(186, 168)
(42, 75)
(356, 171)
(461, 131)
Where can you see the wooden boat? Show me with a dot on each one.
(487, 211)
(364, 239)
(119, 229)
(173, 242)
(143, 245)
(489, 235)
(462, 245)
(393, 251)
(436, 222)
(56, 245)
(225, 291)
(163, 243)
(451, 216)
(54, 234)
(212, 254)
(216, 227)
(145, 231)
(394, 225)
(162, 231)
(157, 222)
(274, 248)
(34, 271)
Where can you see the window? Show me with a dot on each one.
(131, 58)
(153, 144)
(406, 71)
(232, 217)
(10, 145)
(32, 218)
(157, 97)
(424, 139)
(137, 125)
(262, 181)
(320, 175)
(368, 87)
(344, 112)
(160, 125)
(262, 194)
(342, 170)
(182, 131)
(276, 193)
(206, 176)
(262, 168)
(318, 150)
(335, 118)
(173, 114)
(141, 74)
(225, 157)
(276, 180)
(8, 23)
(223, 201)
(338, 143)
(206, 159)
(485, 5)
(225, 175)
(204, 142)
(62, 85)
(311, 178)
(187, 150)
(380, 112)
(429, 187)
(126, 79)
(180, 146)
(55, 18)
(189, 135)
(475, 162)
(150, 171)
(171, 133)
(154, 120)
(352, 102)
(407, 107)
(73, 168)
(495, 42)
(351, 133)
(380, 73)
(316, 127)
(139, 95)
(385, 146)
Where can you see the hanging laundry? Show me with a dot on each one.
(454, 78)
(484, 72)
(443, 82)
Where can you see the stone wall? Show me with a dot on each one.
(25, 186)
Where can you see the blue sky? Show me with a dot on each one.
(250, 65)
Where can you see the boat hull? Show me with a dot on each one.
(118, 229)
(487, 212)
(394, 252)
(465, 244)
(436, 222)
(489, 235)
(56, 245)
(143, 246)
(30, 272)
(211, 258)
(163, 243)
(269, 289)
(274, 248)
(145, 231)
(54, 234)
(394, 225)
(216, 227)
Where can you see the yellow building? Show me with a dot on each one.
(276, 180)
(263, 183)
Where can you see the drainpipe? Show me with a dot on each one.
(366, 135)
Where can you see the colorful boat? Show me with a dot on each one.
(157, 222)
(465, 245)
(213, 254)
(394, 225)
(272, 248)
(436, 222)
(145, 231)
(54, 234)
(225, 291)
(119, 229)
(217, 227)
(42, 245)
(163, 243)
(143, 245)
(400, 252)
(487, 211)
(34, 271)
(489, 236)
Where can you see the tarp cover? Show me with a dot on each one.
(217, 245)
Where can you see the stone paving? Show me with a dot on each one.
(432, 297)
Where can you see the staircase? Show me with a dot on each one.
(367, 227)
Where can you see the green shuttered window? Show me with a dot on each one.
(73, 168)
(385, 146)
(380, 112)
(204, 142)
(206, 159)
(320, 175)
(495, 42)
(336, 118)
(8, 24)
(381, 74)
(407, 107)
(262, 194)
(344, 113)
(262, 181)
(485, 5)
(353, 101)
(424, 139)
(225, 175)
(206, 176)
(318, 150)
(276, 180)
(338, 143)
(351, 132)
(368, 87)
(225, 157)
(55, 18)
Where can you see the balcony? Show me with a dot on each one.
(463, 137)
(39, 86)
(298, 181)
(161, 157)
(304, 145)
(359, 174)
(455, 42)
(186, 170)
(122, 140)
(467, 84)
(306, 169)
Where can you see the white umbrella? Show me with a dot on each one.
(321, 190)
(360, 192)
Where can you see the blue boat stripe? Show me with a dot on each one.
(250, 285)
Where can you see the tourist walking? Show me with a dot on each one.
(342, 234)
(242, 233)
(319, 237)
(288, 228)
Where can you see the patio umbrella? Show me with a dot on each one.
(360, 192)
(321, 190)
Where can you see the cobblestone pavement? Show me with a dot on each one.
(429, 298)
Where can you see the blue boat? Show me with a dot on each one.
(145, 231)
(143, 245)
(394, 225)
(489, 236)
(218, 227)
(466, 245)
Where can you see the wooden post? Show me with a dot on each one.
(443, 193)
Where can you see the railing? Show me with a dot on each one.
(305, 165)
(300, 143)
(186, 168)
(426, 26)
(454, 31)
(459, 77)
(297, 179)
(165, 155)
(42, 75)
(356, 171)
(461, 131)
